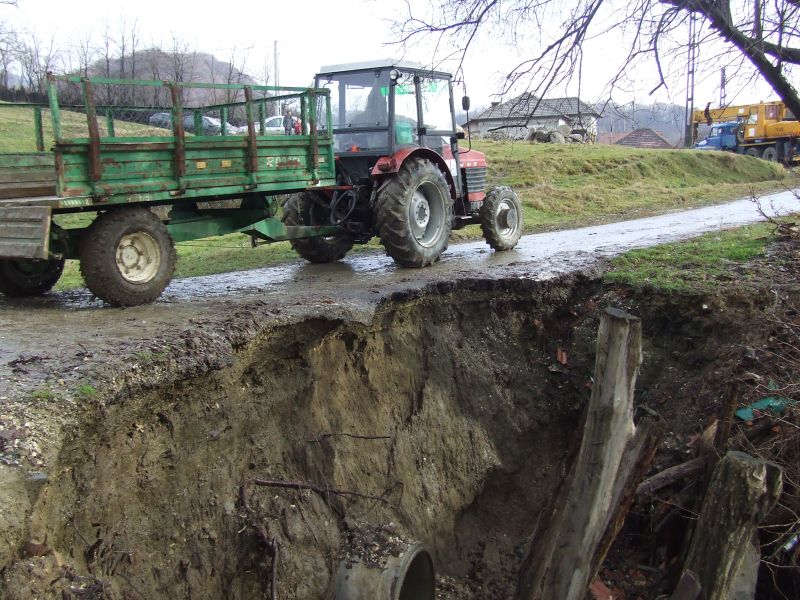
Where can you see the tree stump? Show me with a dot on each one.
(741, 493)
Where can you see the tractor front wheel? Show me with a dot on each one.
(414, 214)
(21, 277)
(312, 208)
(501, 218)
(127, 256)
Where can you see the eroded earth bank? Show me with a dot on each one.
(448, 418)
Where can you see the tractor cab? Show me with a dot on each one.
(381, 107)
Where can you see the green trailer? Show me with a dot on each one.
(123, 148)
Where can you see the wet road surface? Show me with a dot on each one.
(66, 321)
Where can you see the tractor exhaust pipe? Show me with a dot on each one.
(408, 575)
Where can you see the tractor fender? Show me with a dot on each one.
(388, 165)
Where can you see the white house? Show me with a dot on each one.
(514, 118)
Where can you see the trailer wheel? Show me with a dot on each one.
(21, 277)
(414, 214)
(127, 256)
(311, 208)
(754, 152)
(501, 218)
(770, 153)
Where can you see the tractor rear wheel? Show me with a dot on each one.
(414, 214)
(21, 277)
(501, 218)
(311, 208)
(127, 256)
(754, 152)
(770, 153)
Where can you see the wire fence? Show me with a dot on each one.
(144, 109)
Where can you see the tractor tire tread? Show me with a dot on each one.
(391, 214)
(490, 233)
(315, 250)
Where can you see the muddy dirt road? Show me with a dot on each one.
(69, 323)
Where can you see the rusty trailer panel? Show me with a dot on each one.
(25, 232)
(101, 170)
(27, 174)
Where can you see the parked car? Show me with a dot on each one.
(273, 126)
(211, 125)
(161, 119)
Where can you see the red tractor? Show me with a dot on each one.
(400, 173)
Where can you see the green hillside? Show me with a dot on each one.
(17, 130)
(563, 185)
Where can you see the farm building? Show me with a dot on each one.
(514, 118)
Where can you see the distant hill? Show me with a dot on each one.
(158, 64)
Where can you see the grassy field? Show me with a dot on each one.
(703, 264)
(560, 186)
(17, 132)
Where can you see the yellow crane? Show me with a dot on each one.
(765, 130)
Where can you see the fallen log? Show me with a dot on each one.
(741, 493)
(669, 476)
(609, 465)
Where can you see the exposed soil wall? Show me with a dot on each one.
(455, 412)
(450, 416)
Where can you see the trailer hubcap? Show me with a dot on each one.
(138, 257)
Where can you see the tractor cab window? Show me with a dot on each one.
(405, 111)
(715, 131)
(435, 99)
(436, 115)
(360, 109)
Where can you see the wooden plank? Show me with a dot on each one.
(560, 564)
(25, 232)
(23, 190)
(28, 176)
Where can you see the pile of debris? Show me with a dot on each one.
(562, 134)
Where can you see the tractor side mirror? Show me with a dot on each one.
(460, 135)
(465, 102)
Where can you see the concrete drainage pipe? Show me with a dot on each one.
(408, 576)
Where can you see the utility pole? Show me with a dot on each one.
(722, 98)
(688, 138)
(275, 57)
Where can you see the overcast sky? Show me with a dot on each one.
(310, 33)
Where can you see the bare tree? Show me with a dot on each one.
(107, 58)
(82, 55)
(181, 63)
(734, 33)
(36, 58)
(8, 51)
(237, 63)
